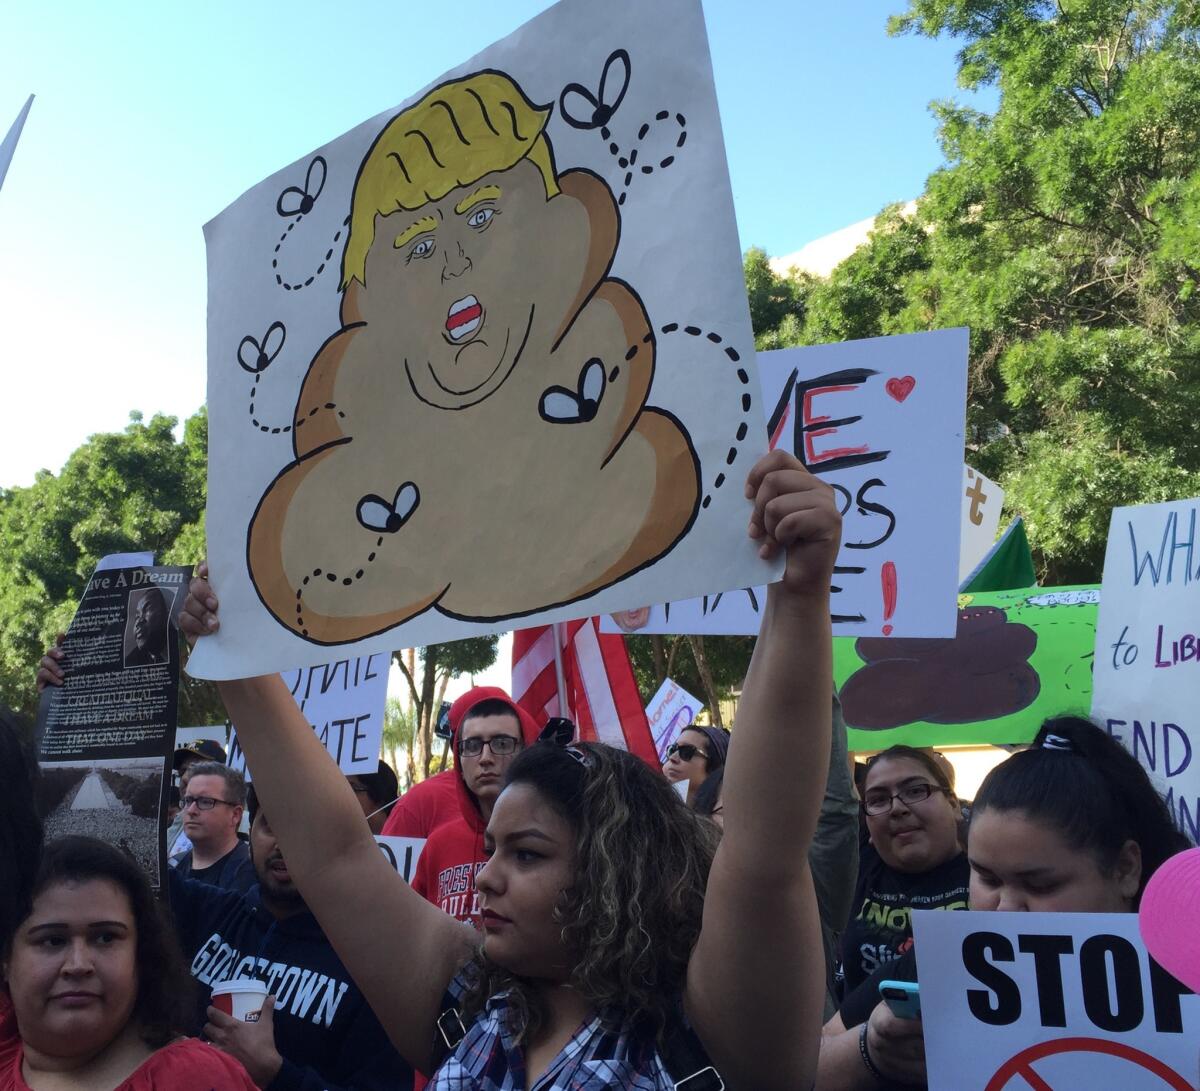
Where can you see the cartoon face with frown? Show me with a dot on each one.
(488, 374)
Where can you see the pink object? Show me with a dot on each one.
(1170, 907)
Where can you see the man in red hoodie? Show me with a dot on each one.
(487, 730)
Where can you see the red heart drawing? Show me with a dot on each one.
(900, 388)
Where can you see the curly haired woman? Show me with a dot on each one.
(618, 937)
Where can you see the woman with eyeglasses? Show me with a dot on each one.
(621, 947)
(913, 859)
(1071, 825)
(695, 756)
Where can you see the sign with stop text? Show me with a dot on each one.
(881, 421)
(1147, 671)
(1053, 1001)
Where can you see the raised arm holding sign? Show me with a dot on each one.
(745, 969)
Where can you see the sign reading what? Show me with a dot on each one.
(1147, 673)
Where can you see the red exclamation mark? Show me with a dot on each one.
(887, 576)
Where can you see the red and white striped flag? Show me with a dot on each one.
(601, 692)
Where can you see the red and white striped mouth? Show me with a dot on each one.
(463, 318)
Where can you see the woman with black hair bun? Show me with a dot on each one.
(1071, 825)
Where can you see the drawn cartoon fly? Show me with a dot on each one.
(475, 437)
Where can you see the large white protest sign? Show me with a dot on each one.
(1053, 1001)
(1147, 665)
(882, 421)
(981, 503)
(670, 710)
(402, 853)
(345, 703)
(486, 356)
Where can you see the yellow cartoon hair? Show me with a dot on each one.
(455, 135)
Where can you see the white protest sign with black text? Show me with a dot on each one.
(670, 710)
(1146, 688)
(1052, 1001)
(344, 702)
(882, 421)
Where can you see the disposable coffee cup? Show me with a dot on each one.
(243, 999)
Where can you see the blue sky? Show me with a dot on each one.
(151, 118)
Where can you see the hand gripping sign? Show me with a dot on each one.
(881, 420)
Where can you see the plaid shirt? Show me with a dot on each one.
(595, 1059)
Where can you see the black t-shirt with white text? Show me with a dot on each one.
(881, 928)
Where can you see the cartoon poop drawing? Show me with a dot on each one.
(980, 674)
(476, 436)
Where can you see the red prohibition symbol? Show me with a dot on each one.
(1021, 1066)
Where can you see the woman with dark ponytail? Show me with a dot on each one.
(1073, 823)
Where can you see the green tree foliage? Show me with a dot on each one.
(777, 304)
(709, 667)
(125, 491)
(1064, 230)
(398, 736)
(427, 688)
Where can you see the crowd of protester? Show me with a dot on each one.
(577, 919)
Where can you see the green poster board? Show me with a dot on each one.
(1017, 658)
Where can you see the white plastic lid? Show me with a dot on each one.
(240, 985)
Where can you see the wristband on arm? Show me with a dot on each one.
(866, 1054)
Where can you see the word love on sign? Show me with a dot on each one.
(882, 422)
(1147, 666)
(1051, 1001)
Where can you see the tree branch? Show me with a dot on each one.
(696, 643)
(412, 685)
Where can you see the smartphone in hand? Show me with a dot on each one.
(902, 997)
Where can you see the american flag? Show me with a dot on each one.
(601, 693)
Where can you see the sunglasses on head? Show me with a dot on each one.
(558, 730)
(686, 751)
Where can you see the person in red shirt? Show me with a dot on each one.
(488, 729)
(424, 807)
(96, 992)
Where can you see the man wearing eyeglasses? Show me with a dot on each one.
(212, 806)
(488, 730)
